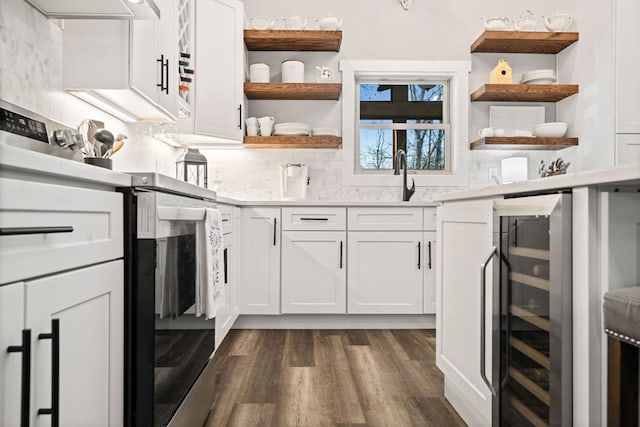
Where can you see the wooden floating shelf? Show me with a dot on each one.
(523, 42)
(522, 143)
(524, 93)
(527, 383)
(292, 142)
(292, 40)
(289, 91)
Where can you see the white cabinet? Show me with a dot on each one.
(219, 61)
(313, 272)
(137, 73)
(464, 240)
(11, 363)
(226, 317)
(89, 304)
(384, 272)
(627, 148)
(260, 260)
(429, 269)
(627, 64)
(65, 245)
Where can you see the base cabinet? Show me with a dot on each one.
(228, 315)
(313, 272)
(385, 272)
(429, 268)
(11, 366)
(87, 305)
(260, 252)
(464, 240)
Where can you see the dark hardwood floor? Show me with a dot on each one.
(329, 378)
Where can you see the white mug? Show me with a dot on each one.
(486, 132)
(252, 126)
(499, 132)
(266, 125)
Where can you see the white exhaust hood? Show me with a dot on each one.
(97, 9)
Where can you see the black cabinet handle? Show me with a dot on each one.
(429, 247)
(13, 231)
(164, 74)
(274, 230)
(54, 410)
(419, 266)
(341, 254)
(240, 116)
(314, 219)
(224, 255)
(25, 393)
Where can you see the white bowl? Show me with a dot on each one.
(550, 130)
(324, 131)
(538, 74)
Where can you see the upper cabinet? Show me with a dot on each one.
(219, 61)
(627, 65)
(102, 9)
(523, 42)
(136, 68)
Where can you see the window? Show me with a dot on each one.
(420, 107)
(408, 116)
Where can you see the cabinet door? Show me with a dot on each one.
(11, 326)
(90, 308)
(385, 272)
(226, 316)
(464, 242)
(166, 46)
(219, 62)
(627, 148)
(260, 251)
(144, 69)
(429, 267)
(313, 272)
(627, 64)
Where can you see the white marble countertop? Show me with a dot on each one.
(620, 175)
(304, 203)
(14, 161)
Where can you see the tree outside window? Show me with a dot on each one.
(411, 116)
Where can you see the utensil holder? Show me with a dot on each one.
(99, 161)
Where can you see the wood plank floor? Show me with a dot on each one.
(329, 378)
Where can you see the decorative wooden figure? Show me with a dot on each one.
(502, 73)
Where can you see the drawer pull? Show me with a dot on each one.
(15, 231)
(225, 219)
(314, 219)
(54, 336)
(340, 254)
(25, 349)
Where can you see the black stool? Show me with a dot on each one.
(622, 325)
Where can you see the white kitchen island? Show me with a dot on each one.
(606, 255)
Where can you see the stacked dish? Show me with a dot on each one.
(291, 128)
(550, 130)
(539, 77)
(324, 132)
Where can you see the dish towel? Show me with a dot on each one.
(209, 264)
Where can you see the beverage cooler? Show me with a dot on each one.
(531, 355)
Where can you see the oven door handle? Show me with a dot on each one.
(174, 213)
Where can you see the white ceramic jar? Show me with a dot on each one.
(292, 71)
(259, 72)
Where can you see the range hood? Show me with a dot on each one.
(97, 9)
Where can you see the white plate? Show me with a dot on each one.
(290, 133)
(539, 81)
(291, 124)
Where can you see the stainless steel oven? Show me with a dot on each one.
(167, 347)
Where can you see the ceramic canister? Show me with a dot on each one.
(292, 71)
(259, 73)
